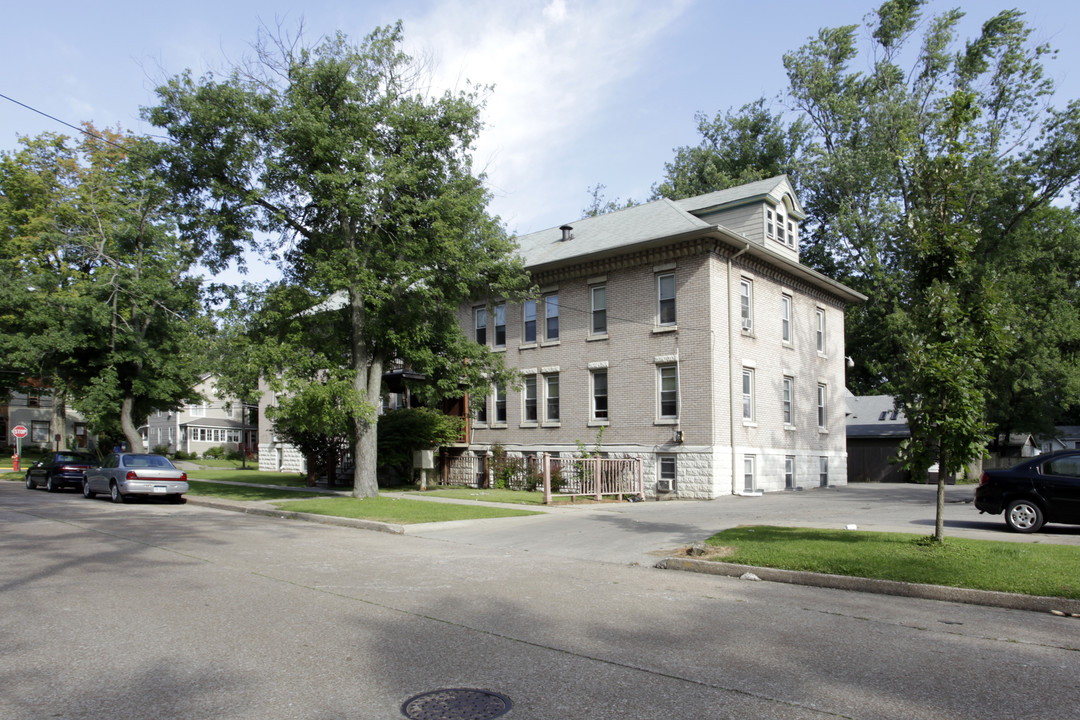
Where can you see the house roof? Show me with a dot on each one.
(772, 190)
(875, 416)
(664, 221)
(211, 422)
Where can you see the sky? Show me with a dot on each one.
(585, 92)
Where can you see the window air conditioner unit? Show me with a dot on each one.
(663, 486)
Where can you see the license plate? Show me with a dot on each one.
(161, 489)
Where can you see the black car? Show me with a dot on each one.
(1039, 490)
(60, 469)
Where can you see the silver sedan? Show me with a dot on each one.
(123, 475)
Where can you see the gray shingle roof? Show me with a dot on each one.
(774, 188)
(612, 231)
(874, 416)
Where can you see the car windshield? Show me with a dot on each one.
(72, 457)
(147, 461)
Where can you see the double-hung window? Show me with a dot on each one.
(823, 471)
(551, 397)
(780, 228)
(822, 397)
(770, 227)
(746, 304)
(529, 399)
(785, 319)
(665, 293)
(480, 323)
(789, 472)
(599, 395)
(598, 294)
(819, 331)
(551, 317)
(748, 394)
(748, 472)
(500, 325)
(668, 376)
(529, 321)
(480, 410)
(500, 404)
(788, 401)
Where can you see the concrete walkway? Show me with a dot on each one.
(658, 533)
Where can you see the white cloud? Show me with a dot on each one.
(555, 68)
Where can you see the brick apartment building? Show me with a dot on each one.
(688, 333)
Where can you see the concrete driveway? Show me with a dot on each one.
(641, 533)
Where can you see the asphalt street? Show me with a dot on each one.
(156, 611)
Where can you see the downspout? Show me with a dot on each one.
(731, 369)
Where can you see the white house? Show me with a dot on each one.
(195, 428)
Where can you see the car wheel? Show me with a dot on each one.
(115, 495)
(1024, 516)
(30, 484)
(50, 486)
(177, 499)
(86, 491)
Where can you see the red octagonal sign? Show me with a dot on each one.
(19, 431)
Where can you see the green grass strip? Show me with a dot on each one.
(399, 510)
(241, 492)
(1015, 567)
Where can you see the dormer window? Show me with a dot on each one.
(791, 233)
(780, 229)
(770, 229)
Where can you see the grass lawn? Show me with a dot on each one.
(226, 464)
(240, 492)
(1026, 568)
(399, 510)
(519, 497)
(251, 476)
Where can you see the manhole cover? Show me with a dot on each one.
(457, 704)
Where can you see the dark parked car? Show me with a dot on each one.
(1039, 490)
(60, 469)
(124, 475)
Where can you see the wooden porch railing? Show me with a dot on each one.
(592, 477)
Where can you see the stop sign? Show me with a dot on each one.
(19, 431)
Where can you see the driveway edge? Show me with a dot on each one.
(273, 512)
(1012, 601)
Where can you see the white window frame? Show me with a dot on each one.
(552, 379)
(780, 219)
(599, 415)
(823, 471)
(787, 400)
(500, 405)
(822, 406)
(666, 299)
(667, 468)
(598, 310)
(499, 316)
(746, 304)
(527, 401)
(819, 319)
(672, 371)
(749, 473)
(789, 472)
(480, 325)
(528, 307)
(792, 232)
(770, 228)
(748, 394)
(786, 303)
(551, 316)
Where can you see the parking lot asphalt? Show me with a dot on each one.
(658, 533)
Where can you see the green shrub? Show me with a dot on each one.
(160, 450)
(214, 453)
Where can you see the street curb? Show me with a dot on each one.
(273, 512)
(1012, 601)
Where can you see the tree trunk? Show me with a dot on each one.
(939, 522)
(367, 382)
(58, 424)
(127, 424)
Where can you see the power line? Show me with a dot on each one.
(84, 131)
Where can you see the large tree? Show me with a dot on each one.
(99, 303)
(920, 183)
(335, 160)
(735, 148)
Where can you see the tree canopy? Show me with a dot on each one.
(99, 303)
(334, 160)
